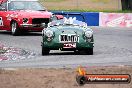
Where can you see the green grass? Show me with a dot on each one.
(85, 10)
(98, 1)
(81, 9)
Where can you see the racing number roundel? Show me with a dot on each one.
(1, 21)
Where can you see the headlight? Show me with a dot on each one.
(49, 33)
(88, 34)
(25, 20)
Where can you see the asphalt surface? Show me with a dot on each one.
(113, 46)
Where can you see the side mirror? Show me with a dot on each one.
(3, 9)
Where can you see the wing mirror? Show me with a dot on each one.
(3, 9)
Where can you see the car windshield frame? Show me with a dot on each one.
(25, 5)
(67, 22)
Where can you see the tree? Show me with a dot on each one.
(130, 4)
(126, 4)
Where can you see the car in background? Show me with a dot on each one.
(24, 15)
(67, 35)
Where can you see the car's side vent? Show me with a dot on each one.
(69, 38)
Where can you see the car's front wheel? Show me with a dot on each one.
(45, 51)
(14, 28)
(90, 51)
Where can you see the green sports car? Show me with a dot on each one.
(67, 35)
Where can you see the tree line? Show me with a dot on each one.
(126, 4)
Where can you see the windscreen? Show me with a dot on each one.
(65, 21)
(25, 5)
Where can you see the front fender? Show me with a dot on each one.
(18, 20)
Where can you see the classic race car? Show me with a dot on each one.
(26, 15)
(67, 35)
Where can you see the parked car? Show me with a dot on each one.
(67, 35)
(24, 15)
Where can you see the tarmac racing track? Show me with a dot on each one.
(113, 46)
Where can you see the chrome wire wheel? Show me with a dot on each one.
(14, 28)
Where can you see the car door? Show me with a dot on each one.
(4, 23)
(1, 16)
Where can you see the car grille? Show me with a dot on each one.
(40, 20)
(69, 38)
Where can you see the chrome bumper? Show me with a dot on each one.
(32, 25)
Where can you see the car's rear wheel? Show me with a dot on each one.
(90, 51)
(14, 28)
(45, 51)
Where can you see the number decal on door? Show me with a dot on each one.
(1, 21)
